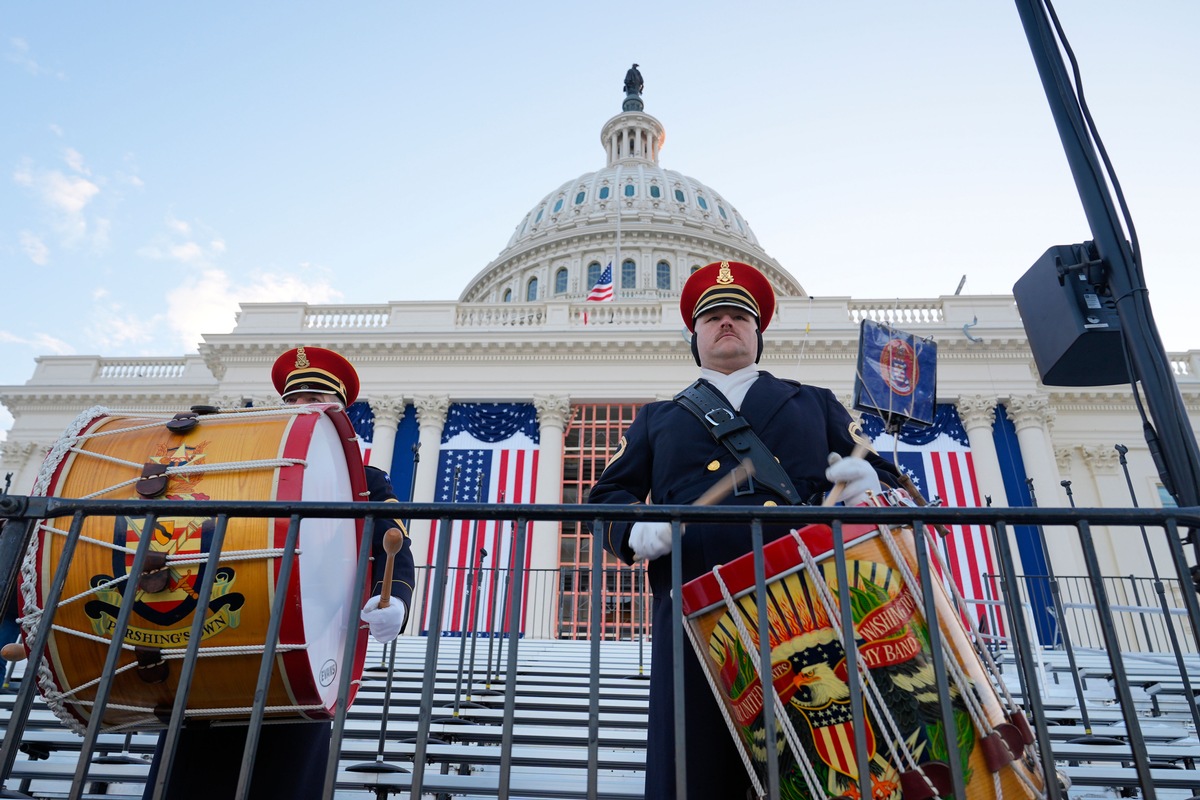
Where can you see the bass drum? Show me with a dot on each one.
(290, 453)
(906, 747)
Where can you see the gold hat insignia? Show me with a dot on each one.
(724, 275)
(301, 358)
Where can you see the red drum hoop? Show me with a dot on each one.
(291, 453)
(809, 672)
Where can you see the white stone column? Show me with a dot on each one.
(553, 412)
(387, 411)
(1108, 490)
(431, 418)
(978, 415)
(1032, 416)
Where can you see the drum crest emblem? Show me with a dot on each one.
(178, 546)
(809, 673)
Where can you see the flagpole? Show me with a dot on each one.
(619, 268)
(618, 257)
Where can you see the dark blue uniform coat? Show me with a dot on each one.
(291, 758)
(668, 456)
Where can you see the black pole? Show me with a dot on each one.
(1065, 634)
(1161, 591)
(379, 765)
(1173, 445)
(468, 595)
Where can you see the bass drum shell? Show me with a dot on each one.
(246, 453)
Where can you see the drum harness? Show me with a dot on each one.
(732, 430)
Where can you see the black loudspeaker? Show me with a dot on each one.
(1071, 318)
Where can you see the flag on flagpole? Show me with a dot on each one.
(603, 290)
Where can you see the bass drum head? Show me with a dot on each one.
(327, 563)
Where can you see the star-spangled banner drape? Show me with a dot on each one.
(363, 420)
(938, 460)
(489, 454)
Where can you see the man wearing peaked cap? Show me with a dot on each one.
(674, 451)
(315, 370)
(292, 756)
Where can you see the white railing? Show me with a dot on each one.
(121, 369)
(896, 311)
(530, 315)
(347, 317)
(642, 314)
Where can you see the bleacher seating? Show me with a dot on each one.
(549, 756)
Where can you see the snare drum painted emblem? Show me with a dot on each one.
(809, 673)
(175, 538)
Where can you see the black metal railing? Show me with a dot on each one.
(1095, 612)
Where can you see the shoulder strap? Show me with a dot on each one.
(732, 430)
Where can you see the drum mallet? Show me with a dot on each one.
(13, 651)
(393, 540)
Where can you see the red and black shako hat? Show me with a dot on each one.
(727, 283)
(315, 369)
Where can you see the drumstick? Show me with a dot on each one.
(13, 651)
(393, 540)
(719, 490)
(859, 451)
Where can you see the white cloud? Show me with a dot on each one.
(113, 327)
(34, 248)
(18, 53)
(40, 343)
(67, 197)
(188, 253)
(178, 244)
(74, 160)
(208, 302)
(69, 194)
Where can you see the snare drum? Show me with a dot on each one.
(815, 741)
(289, 453)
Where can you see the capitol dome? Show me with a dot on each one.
(654, 225)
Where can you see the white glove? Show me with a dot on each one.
(384, 622)
(859, 476)
(649, 540)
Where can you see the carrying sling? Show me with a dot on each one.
(732, 430)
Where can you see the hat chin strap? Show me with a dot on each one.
(696, 348)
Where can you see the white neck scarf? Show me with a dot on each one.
(734, 385)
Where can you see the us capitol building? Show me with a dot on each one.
(521, 347)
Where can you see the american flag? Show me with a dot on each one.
(603, 290)
(489, 454)
(939, 462)
(363, 420)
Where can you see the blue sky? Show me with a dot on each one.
(162, 162)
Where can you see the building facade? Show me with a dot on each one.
(524, 380)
